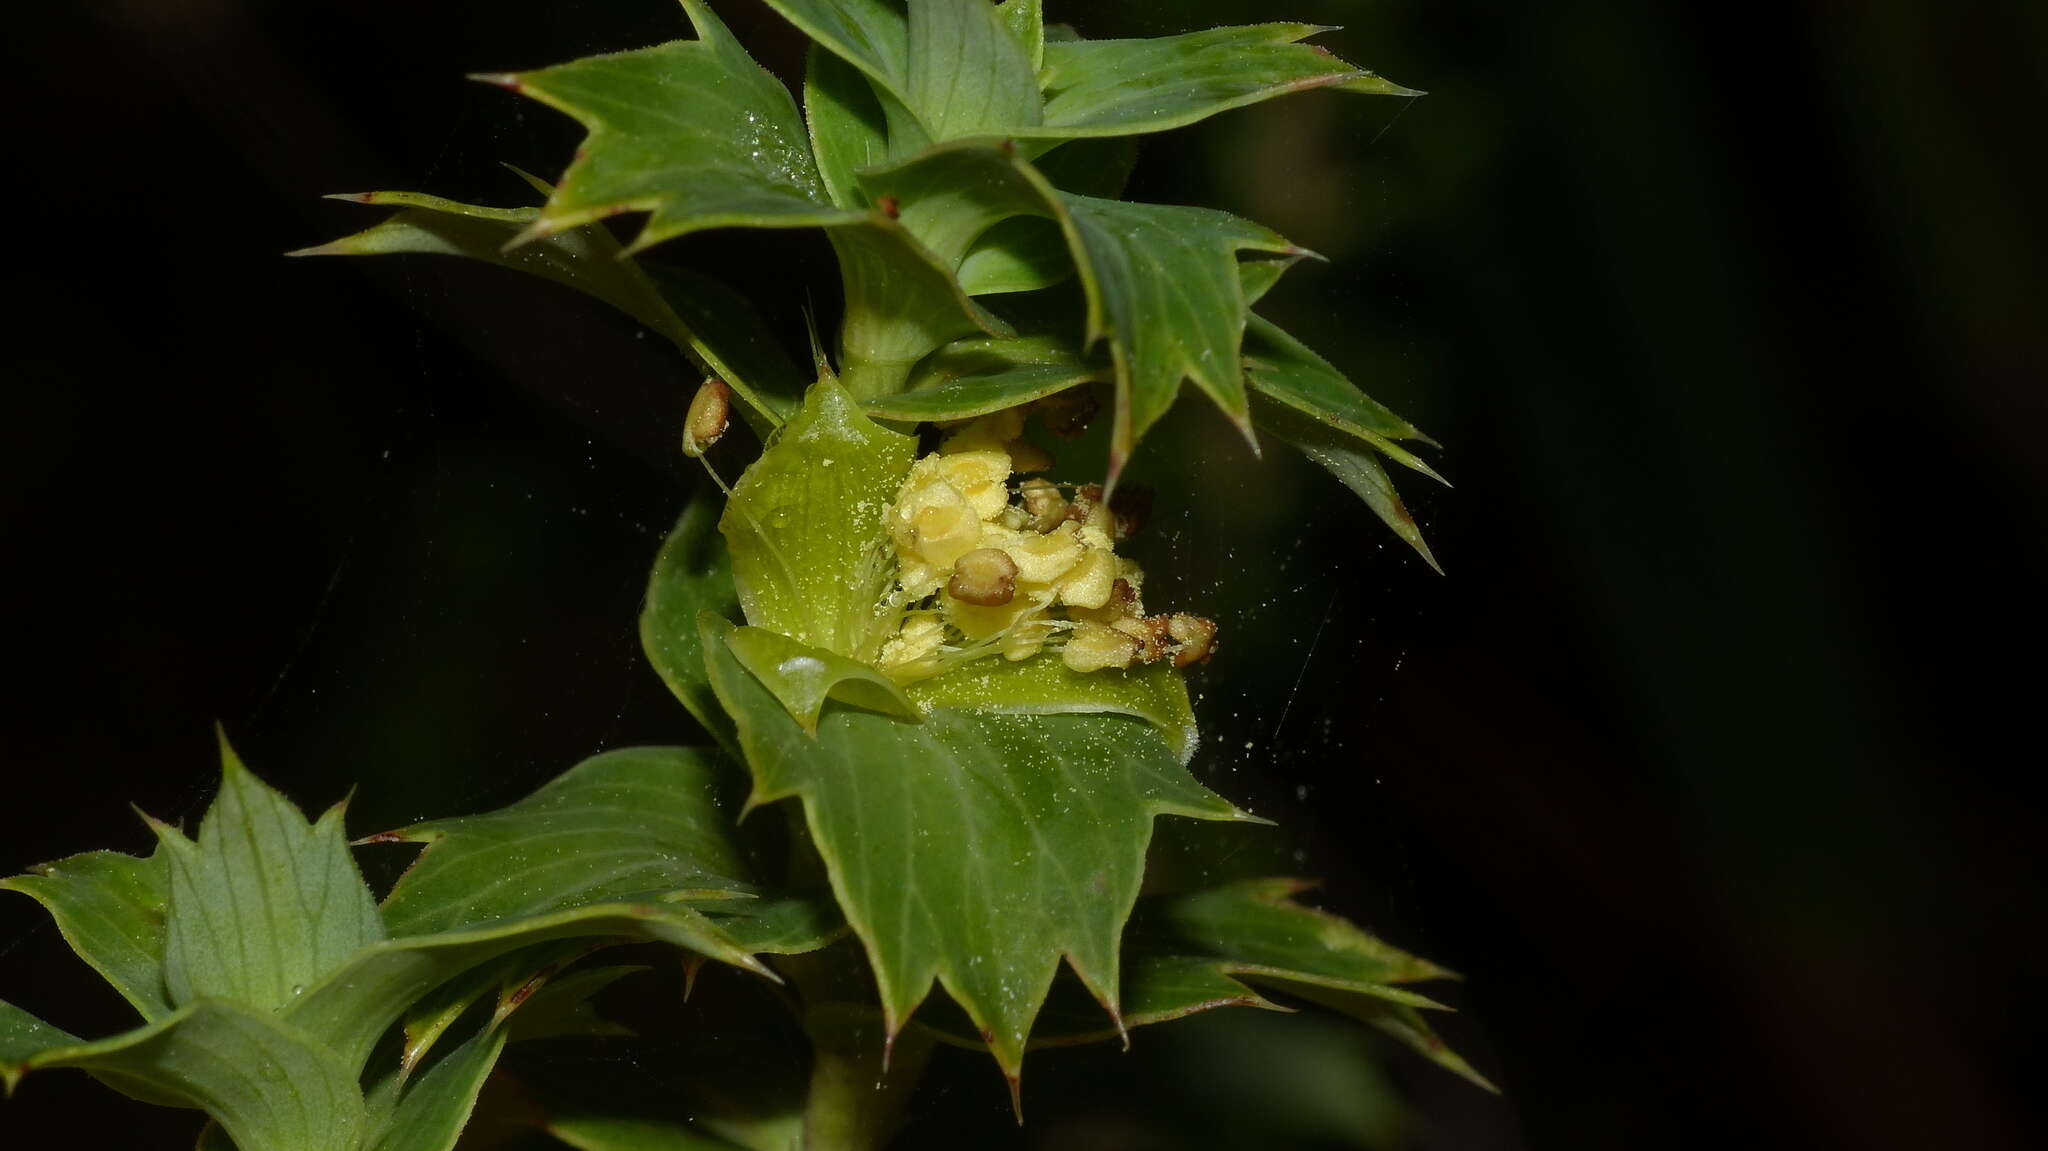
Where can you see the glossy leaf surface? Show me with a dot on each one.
(694, 133)
(629, 824)
(805, 526)
(432, 1113)
(1168, 298)
(1120, 87)
(692, 574)
(110, 908)
(271, 1086)
(354, 1006)
(1043, 685)
(953, 65)
(1348, 458)
(262, 905)
(1285, 369)
(804, 677)
(1203, 950)
(974, 848)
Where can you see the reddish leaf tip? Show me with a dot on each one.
(510, 81)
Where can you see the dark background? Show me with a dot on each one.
(1711, 763)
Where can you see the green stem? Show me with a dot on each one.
(853, 1105)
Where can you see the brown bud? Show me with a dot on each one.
(1154, 638)
(1123, 598)
(1132, 506)
(1085, 502)
(1066, 414)
(1195, 635)
(1043, 503)
(985, 577)
(710, 412)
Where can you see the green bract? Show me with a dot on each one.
(981, 827)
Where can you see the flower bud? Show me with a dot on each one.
(710, 412)
(985, 577)
(1092, 647)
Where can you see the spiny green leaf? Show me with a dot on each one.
(973, 848)
(353, 1007)
(848, 125)
(806, 525)
(1168, 298)
(694, 133)
(803, 677)
(976, 376)
(1043, 685)
(433, 1112)
(1162, 281)
(110, 908)
(271, 1086)
(712, 325)
(1285, 369)
(1349, 459)
(1026, 21)
(692, 574)
(626, 824)
(22, 1038)
(562, 1006)
(1120, 87)
(430, 1017)
(953, 64)
(1202, 950)
(263, 905)
(1026, 253)
(1258, 278)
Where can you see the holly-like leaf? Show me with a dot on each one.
(974, 848)
(110, 908)
(804, 677)
(806, 526)
(692, 574)
(430, 1017)
(1167, 297)
(1121, 87)
(1043, 685)
(562, 1006)
(1348, 458)
(271, 1086)
(694, 133)
(1203, 950)
(263, 904)
(952, 64)
(352, 1008)
(974, 377)
(697, 135)
(1162, 281)
(1025, 253)
(1285, 369)
(1026, 21)
(22, 1038)
(433, 1112)
(636, 823)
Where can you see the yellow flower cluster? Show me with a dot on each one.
(990, 576)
